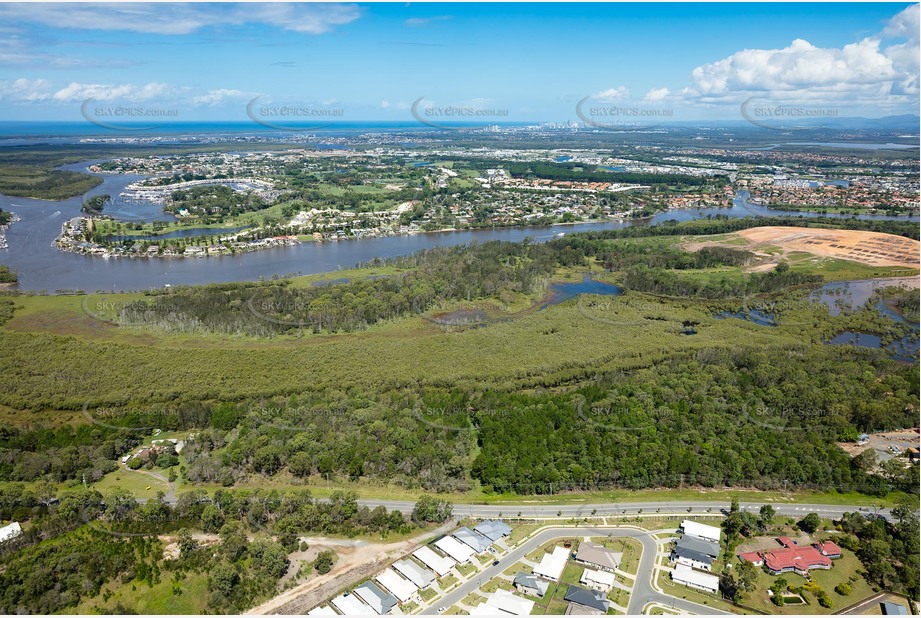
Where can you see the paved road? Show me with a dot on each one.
(543, 511)
(643, 592)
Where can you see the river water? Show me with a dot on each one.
(41, 266)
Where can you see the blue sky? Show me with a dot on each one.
(527, 61)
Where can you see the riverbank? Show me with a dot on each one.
(73, 239)
(74, 234)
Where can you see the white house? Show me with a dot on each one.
(701, 531)
(504, 602)
(551, 565)
(401, 588)
(349, 605)
(601, 581)
(439, 564)
(460, 552)
(683, 574)
(324, 610)
(10, 531)
(418, 575)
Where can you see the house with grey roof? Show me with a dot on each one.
(527, 583)
(414, 572)
(591, 599)
(377, 599)
(598, 556)
(476, 541)
(708, 548)
(692, 558)
(493, 529)
(893, 609)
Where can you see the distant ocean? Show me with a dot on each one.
(59, 129)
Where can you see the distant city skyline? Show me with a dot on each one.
(442, 63)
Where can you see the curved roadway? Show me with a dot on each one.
(643, 592)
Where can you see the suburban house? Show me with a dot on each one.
(754, 557)
(792, 557)
(350, 605)
(418, 575)
(598, 556)
(551, 565)
(707, 548)
(701, 531)
(429, 558)
(683, 574)
(323, 610)
(377, 599)
(502, 602)
(692, 558)
(829, 549)
(591, 599)
(10, 531)
(458, 551)
(401, 588)
(529, 584)
(602, 581)
(476, 541)
(493, 529)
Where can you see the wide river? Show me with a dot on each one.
(41, 266)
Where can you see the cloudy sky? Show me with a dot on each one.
(533, 62)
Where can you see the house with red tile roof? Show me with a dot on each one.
(829, 548)
(792, 557)
(754, 557)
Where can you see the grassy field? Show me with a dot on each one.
(187, 596)
(141, 485)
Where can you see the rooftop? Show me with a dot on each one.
(588, 598)
(598, 555)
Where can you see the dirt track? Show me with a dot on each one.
(353, 565)
(870, 248)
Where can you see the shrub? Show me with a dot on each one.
(844, 589)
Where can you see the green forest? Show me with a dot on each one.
(86, 540)
(656, 389)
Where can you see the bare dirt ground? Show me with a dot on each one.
(356, 561)
(870, 248)
(903, 438)
(171, 542)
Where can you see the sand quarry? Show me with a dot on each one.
(870, 248)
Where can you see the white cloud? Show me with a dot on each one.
(75, 91)
(612, 94)
(418, 22)
(24, 90)
(906, 57)
(905, 25)
(794, 68)
(216, 97)
(657, 94)
(181, 18)
(863, 73)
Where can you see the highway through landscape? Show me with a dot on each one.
(609, 513)
(532, 510)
